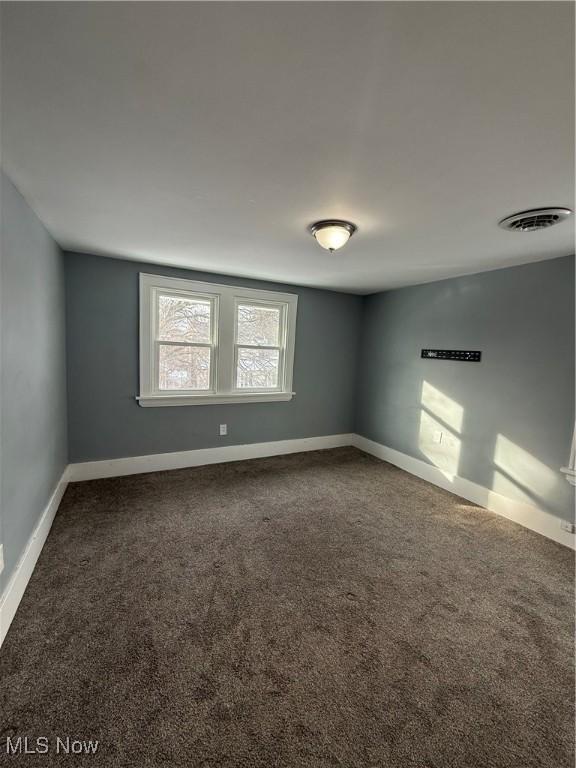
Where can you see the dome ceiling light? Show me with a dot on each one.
(332, 234)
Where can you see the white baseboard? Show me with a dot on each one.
(12, 595)
(529, 516)
(93, 470)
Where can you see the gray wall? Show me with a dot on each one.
(33, 439)
(102, 337)
(507, 421)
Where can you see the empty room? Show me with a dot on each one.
(287, 423)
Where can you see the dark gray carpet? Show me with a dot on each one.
(320, 609)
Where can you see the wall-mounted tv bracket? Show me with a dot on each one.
(452, 354)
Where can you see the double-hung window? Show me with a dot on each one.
(204, 343)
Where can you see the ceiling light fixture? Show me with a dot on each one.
(332, 233)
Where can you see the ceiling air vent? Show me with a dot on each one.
(539, 218)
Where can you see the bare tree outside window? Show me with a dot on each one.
(184, 367)
(182, 319)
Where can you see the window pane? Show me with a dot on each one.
(257, 368)
(258, 325)
(184, 319)
(184, 367)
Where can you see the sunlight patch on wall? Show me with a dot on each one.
(521, 470)
(506, 487)
(442, 406)
(440, 424)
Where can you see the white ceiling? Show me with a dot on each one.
(209, 135)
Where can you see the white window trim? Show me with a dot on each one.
(223, 374)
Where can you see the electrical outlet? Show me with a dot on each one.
(567, 526)
(1, 558)
(223, 429)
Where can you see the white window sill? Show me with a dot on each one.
(161, 401)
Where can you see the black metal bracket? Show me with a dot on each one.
(452, 354)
